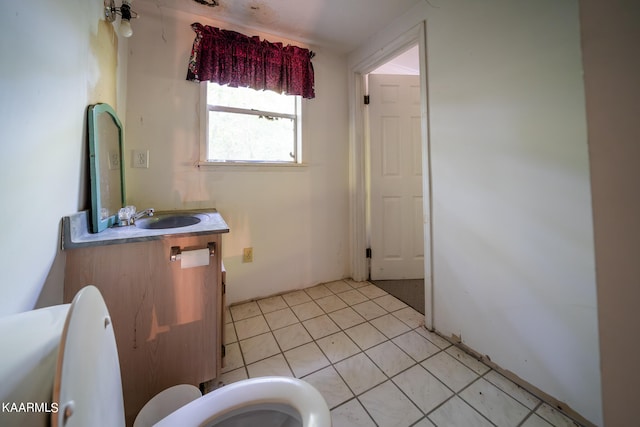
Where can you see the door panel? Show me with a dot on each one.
(397, 216)
(392, 234)
(391, 154)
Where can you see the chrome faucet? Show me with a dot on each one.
(128, 215)
(140, 214)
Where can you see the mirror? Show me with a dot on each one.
(106, 166)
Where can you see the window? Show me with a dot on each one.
(248, 126)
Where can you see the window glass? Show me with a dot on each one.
(245, 125)
(242, 97)
(243, 137)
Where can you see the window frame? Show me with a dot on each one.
(205, 108)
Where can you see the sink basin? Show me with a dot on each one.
(162, 221)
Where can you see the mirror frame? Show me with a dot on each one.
(93, 112)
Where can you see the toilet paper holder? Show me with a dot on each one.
(176, 251)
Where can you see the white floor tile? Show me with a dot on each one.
(259, 347)
(267, 305)
(448, 370)
(331, 303)
(233, 376)
(357, 285)
(292, 336)
(365, 335)
(338, 286)
(251, 326)
(416, 346)
(330, 385)
(360, 373)
(352, 297)
(229, 334)
(535, 421)
(320, 326)
(555, 417)
(410, 316)
(424, 423)
(280, 318)
(299, 334)
(473, 363)
(456, 413)
(390, 325)
(318, 291)
(307, 310)
(346, 318)
(337, 347)
(422, 388)
(296, 297)
(512, 389)
(306, 359)
(372, 291)
(242, 311)
(390, 358)
(389, 407)
(493, 403)
(369, 310)
(351, 414)
(390, 303)
(433, 337)
(274, 365)
(233, 357)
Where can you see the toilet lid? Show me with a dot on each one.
(87, 385)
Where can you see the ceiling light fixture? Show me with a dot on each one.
(210, 3)
(110, 12)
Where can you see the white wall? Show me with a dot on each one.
(294, 218)
(513, 252)
(610, 35)
(53, 66)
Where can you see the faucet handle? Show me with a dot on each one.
(124, 216)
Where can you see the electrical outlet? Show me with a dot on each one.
(247, 255)
(140, 158)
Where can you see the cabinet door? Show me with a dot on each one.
(166, 319)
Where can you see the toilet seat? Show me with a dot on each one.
(164, 403)
(87, 383)
(296, 397)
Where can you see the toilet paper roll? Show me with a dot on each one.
(195, 258)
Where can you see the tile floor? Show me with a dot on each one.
(370, 356)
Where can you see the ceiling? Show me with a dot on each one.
(341, 25)
(407, 63)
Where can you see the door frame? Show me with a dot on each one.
(358, 158)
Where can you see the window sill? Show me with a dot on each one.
(250, 165)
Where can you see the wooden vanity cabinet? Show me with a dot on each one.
(167, 320)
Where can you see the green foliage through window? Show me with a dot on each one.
(245, 125)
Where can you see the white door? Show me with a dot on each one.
(396, 207)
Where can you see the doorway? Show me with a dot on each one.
(360, 163)
(395, 196)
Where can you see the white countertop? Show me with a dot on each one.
(75, 230)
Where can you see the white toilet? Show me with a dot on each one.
(87, 389)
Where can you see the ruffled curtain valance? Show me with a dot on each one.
(229, 58)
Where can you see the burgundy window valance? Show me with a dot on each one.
(229, 58)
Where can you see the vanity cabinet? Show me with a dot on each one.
(167, 319)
